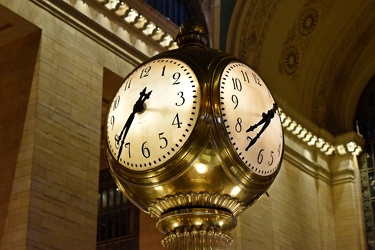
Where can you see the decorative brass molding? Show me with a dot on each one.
(197, 238)
(227, 202)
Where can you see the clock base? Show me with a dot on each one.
(197, 228)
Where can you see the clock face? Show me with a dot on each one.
(153, 114)
(251, 119)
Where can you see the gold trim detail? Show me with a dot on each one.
(197, 238)
(203, 199)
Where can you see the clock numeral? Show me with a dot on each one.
(176, 121)
(261, 157)
(117, 141)
(271, 161)
(181, 95)
(176, 76)
(163, 71)
(238, 126)
(145, 72)
(112, 121)
(127, 84)
(162, 138)
(127, 145)
(235, 101)
(237, 85)
(245, 76)
(145, 150)
(279, 150)
(116, 102)
(256, 78)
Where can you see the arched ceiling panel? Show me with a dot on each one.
(315, 56)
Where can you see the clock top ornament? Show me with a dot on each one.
(194, 137)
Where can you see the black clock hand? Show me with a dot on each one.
(138, 107)
(266, 120)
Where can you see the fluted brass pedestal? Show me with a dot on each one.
(196, 228)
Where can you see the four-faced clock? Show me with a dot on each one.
(251, 119)
(153, 114)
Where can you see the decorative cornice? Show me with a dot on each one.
(114, 24)
(73, 14)
(344, 144)
(144, 20)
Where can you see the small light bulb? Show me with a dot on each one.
(201, 168)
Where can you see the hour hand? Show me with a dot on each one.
(138, 106)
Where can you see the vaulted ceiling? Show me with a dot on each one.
(316, 56)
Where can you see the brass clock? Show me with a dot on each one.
(194, 137)
(153, 114)
(251, 119)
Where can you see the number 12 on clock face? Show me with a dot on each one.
(153, 114)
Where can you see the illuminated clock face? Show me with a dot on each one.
(251, 119)
(153, 114)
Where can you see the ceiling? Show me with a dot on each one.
(315, 56)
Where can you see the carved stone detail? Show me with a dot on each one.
(308, 21)
(291, 57)
(299, 38)
(252, 35)
(342, 176)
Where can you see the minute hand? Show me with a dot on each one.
(266, 120)
(138, 107)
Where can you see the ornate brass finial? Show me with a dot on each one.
(191, 33)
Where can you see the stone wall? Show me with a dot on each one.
(51, 195)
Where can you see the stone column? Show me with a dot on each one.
(347, 202)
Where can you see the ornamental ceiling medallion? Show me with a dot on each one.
(299, 39)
